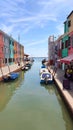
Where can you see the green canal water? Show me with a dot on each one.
(25, 104)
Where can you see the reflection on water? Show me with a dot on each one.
(27, 105)
(66, 117)
(8, 89)
(49, 88)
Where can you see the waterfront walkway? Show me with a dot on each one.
(11, 68)
(66, 94)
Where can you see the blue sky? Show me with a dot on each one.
(34, 21)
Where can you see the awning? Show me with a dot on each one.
(67, 59)
(26, 55)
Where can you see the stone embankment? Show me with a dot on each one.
(10, 68)
(67, 95)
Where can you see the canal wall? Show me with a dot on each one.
(10, 68)
(67, 95)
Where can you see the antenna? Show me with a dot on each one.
(18, 38)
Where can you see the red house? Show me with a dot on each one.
(70, 49)
(1, 50)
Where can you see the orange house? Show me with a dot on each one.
(22, 53)
(15, 52)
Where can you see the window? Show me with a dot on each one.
(5, 60)
(13, 43)
(62, 45)
(69, 42)
(5, 49)
(69, 23)
(10, 60)
(66, 43)
(72, 40)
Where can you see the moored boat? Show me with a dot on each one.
(10, 77)
(46, 78)
(43, 70)
(43, 61)
(24, 68)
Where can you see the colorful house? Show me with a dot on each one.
(51, 50)
(10, 50)
(6, 48)
(65, 46)
(18, 52)
(67, 40)
(58, 47)
(1, 49)
(4, 44)
(70, 25)
(15, 52)
(21, 53)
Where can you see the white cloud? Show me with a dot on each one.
(24, 16)
(16, 14)
(40, 42)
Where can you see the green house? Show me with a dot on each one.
(11, 49)
(66, 28)
(65, 46)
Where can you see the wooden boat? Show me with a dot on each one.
(10, 77)
(43, 61)
(46, 78)
(24, 68)
(28, 65)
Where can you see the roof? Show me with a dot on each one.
(65, 21)
(26, 55)
(9, 36)
(70, 14)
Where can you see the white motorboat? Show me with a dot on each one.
(25, 68)
(46, 77)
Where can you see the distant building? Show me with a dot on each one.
(51, 49)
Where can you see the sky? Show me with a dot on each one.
(31, 22)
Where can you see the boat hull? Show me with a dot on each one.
(48, 82)
(10, 77)
(46, 78)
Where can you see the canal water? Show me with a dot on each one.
(25, 104)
